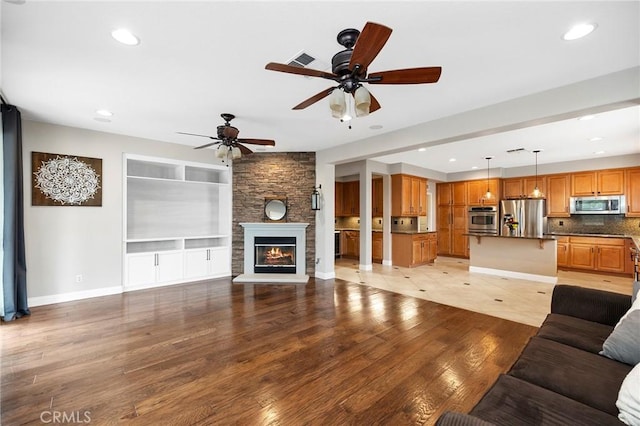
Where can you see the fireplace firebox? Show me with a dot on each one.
(274, 255)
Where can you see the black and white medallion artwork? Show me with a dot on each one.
(65, 180)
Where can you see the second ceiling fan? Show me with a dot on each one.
(349, 71)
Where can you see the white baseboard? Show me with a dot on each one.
(516, 275)
(325, 275)
(76, 295)
(365, 267)
(387, 262)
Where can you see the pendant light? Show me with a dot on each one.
(536, 191)
(488, 195)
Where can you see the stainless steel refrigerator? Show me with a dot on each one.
(523, 218)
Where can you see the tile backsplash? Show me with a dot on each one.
(595, 224)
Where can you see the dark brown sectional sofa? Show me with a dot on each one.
(559, 379)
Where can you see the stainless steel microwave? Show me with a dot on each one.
(613, 204)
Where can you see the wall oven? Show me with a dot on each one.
(483, 220)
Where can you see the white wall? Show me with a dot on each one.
(63, 242)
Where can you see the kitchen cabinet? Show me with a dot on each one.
(522, 187)
(601, 182)
(350, 244)
(408, 195)
(557, 192)
(563, 251)
(351, 198)
(632, 192)
(628, 263)
(410, 250)
(597, 254)
(376, 247)
(376, 197)
(339, 199)
(451, 219)
(477, 189)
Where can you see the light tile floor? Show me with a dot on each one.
(448, 281)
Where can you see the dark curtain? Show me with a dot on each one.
(14, 264)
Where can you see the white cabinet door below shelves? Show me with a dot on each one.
(220, 260)
(169, 267)
(141, 269)
(196, 263)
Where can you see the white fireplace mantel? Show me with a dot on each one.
(275, 229)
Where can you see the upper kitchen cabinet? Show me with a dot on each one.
(557, 192)
(601, 182)
(376, 197)
(633, 192)
(408, 195)
(476, 190)
(347, 198)
(339, 198)
(522, 187)
(454, 193)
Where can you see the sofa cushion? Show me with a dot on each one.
(583, 376)
(629, 398)
(576, 332)
(624, 342)
(512, 401)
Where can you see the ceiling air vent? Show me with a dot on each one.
(515, 151)
(302, 60)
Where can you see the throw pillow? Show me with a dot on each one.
(629, 398)
(623, 344)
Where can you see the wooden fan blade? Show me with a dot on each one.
(315, 98)
(407, 76)
(370, 41)
(243, 149)
(375, 105)
(299, 70)
(207, 145)
(258, 141)
(194, 134)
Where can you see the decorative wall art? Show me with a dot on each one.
(65, 180)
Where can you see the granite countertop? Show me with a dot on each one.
(577, 234)
(544, 237)
(413, 232)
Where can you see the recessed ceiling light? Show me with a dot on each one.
(125, 36)
(474, 167)
(375, 127)
(595, 139)
(422, 149)
(579, 31)
(102, 119)
(104, 112)
(599, 152)
(587, 117)
(451, 160)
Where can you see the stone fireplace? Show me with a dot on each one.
(274, 253)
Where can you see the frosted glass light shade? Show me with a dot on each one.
(222, 150)
(235, 153)
(362, 101)
(337, 103)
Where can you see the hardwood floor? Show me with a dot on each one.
(213, 352)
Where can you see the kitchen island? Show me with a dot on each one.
(528, 258)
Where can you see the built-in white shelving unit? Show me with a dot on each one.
(177, 221)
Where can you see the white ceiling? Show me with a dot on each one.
(199, 59)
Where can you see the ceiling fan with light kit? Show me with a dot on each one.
(349, 70)
(229, 143)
